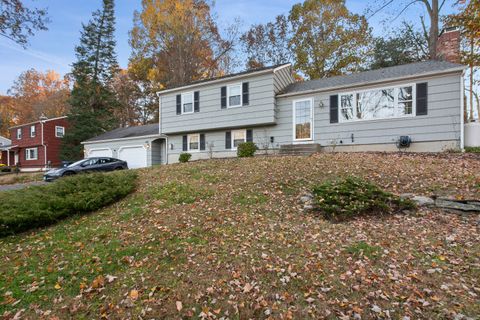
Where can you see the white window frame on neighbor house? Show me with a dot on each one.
(29, 156)
(243, 131)
(56, 131)
(19, 133)
(294, 131)
(229, 88)
(189, 138)
(396, 103)
(188, 94)
(33, 131)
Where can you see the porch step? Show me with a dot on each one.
(300, 149)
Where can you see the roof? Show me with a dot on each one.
(130, 132)
(229, 76)
(379, 75)
(38, 121)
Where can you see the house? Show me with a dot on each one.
(36, 145)
(5, 157)
(417, 107)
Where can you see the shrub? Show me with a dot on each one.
(184, 157)
(39, 206)
(5, 169)
(345, 199)
(472, 149)
(246, 149)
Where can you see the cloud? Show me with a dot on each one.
(52, 59)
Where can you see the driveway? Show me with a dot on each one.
(18, 186)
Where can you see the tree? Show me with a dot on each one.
(17, 22)
(7, 115)
(268, 44)
(93, 102)
(468, 20)
(433, 8)
(175, 42)
(35, 94)
(406, 46)
(328, 39)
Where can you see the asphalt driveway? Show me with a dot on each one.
(18, 186)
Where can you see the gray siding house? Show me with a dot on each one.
(415, 107)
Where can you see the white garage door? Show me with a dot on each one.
(136, 156)
(105, 152)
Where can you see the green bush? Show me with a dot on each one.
(472, 149)
(184, 157)
(351, 197)
(246, 149)
(39, 206)
(5, 169)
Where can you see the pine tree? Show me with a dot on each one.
(92, 99)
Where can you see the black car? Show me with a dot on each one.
(86, 165)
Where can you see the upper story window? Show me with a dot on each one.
(193, 142)
(19, 133)
(187, 102)
(33, 131)
(234, 93)
(59, 131)
(384, 103)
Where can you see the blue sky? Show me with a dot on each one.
(54, 49)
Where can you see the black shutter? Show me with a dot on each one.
(228, 140)
(185, 143)
(223, 92)
(202, 141)
(249, 135)
(245, 98)
(196, 101)
(422, 99)
(179, 104)
(334, 109)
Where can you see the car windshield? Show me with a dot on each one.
(76, 163)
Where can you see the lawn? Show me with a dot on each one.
(23, 177)
(227, 239)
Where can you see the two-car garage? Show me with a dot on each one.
(140, 146)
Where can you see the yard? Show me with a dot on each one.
(227, 239)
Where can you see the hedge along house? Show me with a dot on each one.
(140, 146)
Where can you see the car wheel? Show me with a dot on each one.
(118, 168)
(68, 173)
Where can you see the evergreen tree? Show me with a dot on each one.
(92, 100)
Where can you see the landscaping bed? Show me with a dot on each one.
(230, 238)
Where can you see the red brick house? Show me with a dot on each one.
(36, 145)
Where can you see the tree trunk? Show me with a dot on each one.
(433, 12)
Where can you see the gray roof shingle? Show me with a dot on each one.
(130, 132)
(406, 70)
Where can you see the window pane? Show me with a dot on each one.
(238, 137)
(405, 94)
(187, 101)
(194, 143)
(346, 107)
(303, 120)
(375, 104)
(405, 108)
(234, 95)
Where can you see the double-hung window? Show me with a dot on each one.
(187, 102)
(193, 141)
(383, 103)
(33, 132)
(234, 95)
(59, 131)
(238, 136)
(31, 154)
(303, 120)
(19, 133)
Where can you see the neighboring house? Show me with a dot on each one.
(418, 107)
(6, 158)
(36, 145)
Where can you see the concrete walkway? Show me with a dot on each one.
(18, 186)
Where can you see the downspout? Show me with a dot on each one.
(160, 125)
(462, 112)
(44, 145)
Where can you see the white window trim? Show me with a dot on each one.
(19, 133)
(27, 151)
(34, 132)
(312, 124)
(395, 87)
(189, 136)
(233, 137)
(193, 102)
(56, 132)
(241, 95)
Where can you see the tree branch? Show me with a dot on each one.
(380, 9)
(405, 8)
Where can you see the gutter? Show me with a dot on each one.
(368, 83)
(123, 139)
(26, 124)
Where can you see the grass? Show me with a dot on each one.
(12, 178)
(472, 149)
(227, 238)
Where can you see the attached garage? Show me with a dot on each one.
(140, 146)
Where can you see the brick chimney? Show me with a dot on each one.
(448, 45)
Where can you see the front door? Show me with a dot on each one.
(16, 158)
(303, 120)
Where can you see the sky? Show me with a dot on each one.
(54, 49)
